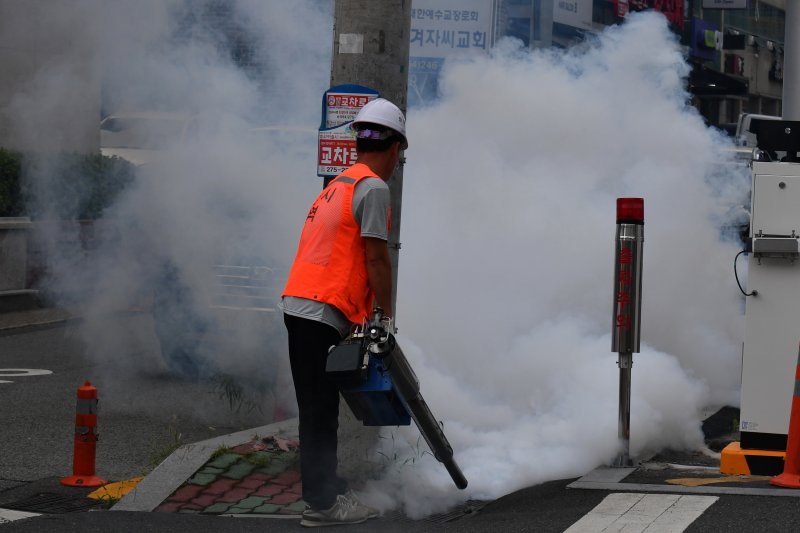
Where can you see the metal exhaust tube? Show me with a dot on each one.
(385, 347)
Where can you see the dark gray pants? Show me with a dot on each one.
(318, 404)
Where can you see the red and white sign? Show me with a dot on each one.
(337, 150)
(343, 107)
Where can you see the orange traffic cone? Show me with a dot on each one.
(791, 474)
(83, 459)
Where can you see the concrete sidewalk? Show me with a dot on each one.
(19, 321)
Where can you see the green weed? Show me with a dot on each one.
(258, 458)
(160, 454)
(398, 458)
(237, 399)
(220, 451)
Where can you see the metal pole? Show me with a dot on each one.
(382, 63)
(627, 309)
(791, 61)
(625, 363)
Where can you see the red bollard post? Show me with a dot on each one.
(83, 459)
(791, 466)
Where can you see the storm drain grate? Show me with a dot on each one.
(53, 503)
(468, 508)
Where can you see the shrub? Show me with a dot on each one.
(65, 186)
(10, 195)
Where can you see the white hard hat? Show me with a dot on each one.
(382, 112)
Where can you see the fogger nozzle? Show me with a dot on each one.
(407, 384)
(381, 388)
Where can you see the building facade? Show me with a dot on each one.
(736, 52)
(745, 55)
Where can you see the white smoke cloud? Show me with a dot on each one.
(225, 191)
(506, 278)
(508, 226)
(226, 194)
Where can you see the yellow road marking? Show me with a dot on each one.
(115, 491)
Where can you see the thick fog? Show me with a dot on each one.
(506, 274)
(504, 300)
(231, 97)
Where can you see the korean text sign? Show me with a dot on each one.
(337, 146)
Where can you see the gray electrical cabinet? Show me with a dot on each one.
(772, 316)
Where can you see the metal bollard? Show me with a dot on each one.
(627, 308)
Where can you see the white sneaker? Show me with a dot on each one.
(350, 495)
(345, 510)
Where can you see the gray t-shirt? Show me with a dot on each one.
(371, 211)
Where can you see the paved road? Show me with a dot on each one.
(143, 409)
(547, 508)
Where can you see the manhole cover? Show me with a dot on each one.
(53, 503)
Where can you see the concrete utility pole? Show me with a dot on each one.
(545, 25)
(791, 61)
(371, 41)
(370, 47)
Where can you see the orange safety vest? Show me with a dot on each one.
(331, 261)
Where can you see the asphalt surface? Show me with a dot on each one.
(545, 508)
(36, 445)
(143, 411)
(549, 507)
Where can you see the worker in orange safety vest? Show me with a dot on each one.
(342, 265)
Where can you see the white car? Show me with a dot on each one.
(139, 137)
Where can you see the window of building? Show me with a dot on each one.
(759, 19)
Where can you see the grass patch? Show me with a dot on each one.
(398, 458)
(259, 458)
(234, 394)
(220, 451)
(159, 455)
(109, 501)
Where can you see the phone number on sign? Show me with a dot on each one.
(331, 170)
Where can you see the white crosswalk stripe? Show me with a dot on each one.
(9, 515)
(643, 513)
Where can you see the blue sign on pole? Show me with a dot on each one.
(337, 146)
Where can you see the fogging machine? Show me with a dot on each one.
(381, 388)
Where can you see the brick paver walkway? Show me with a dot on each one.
(260, 477)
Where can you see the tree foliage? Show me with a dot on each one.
(66, 186)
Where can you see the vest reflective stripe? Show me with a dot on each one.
(331, 264)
